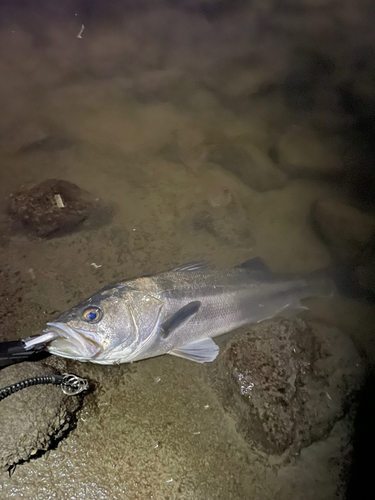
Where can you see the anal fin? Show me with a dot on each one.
(201, 351)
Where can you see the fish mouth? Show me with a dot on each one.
(72, 343)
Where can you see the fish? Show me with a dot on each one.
(177, 312)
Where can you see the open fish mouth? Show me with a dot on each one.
(71, 342)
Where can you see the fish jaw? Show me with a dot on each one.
(73, 343)
(82, 345)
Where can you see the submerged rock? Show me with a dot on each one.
(55, 207)
(307, 73)
(227, 223)
(160, 86)
(350, 236)
(32, 419)
(345, 229)
(289, 383)
(243, 83)
(27, 137)
(252, 166)
(184, 147)
(303, 153)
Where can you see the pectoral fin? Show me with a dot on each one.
(179, 318)
(202, 351)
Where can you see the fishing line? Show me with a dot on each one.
(70, 384)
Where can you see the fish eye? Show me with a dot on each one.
(92, 314)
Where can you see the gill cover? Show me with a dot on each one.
(145, 319)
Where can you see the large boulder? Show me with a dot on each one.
(288, 384)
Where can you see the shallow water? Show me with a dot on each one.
(135, 113)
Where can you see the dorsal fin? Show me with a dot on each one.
(192, 266)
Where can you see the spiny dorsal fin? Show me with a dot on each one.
(192, 266)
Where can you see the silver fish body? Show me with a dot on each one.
(176, 312)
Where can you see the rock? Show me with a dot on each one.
(184, 147)
(364, 271)
(172, 86)
(302, 153)
(350, 236)
(51, 142)
(26, 137)
(308, 71)
(245, 83)
(56, 207)
(34, 418)
(203, 100)
(225, 222)
(359, 136)
(248, 163)
(158, 85)
(330, 121)
(288, 383)
(345, 229)
(219, 197)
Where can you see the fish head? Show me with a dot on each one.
(110, 327)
